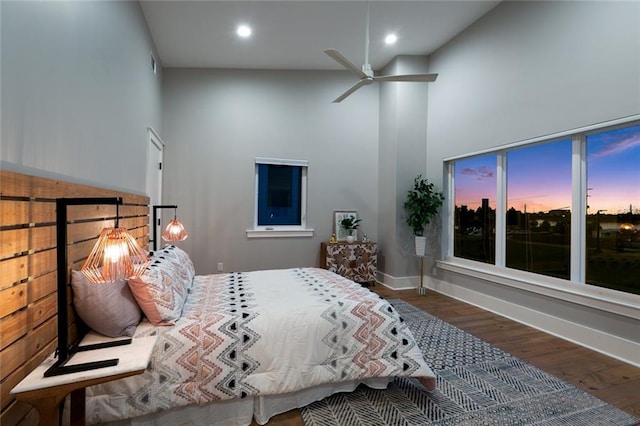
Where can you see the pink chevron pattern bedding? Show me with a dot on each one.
(264, 333)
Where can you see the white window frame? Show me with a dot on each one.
(574, 290)
(282, 231)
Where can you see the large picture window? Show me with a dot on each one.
(538, 217)
(613, 209)
(475, 208)
(566, 207)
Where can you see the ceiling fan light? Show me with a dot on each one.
(366, 75)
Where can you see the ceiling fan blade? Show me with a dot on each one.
(359, 84)
(407, 77)
(337, 56)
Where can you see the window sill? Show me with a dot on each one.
(279, 233)
(620, 303)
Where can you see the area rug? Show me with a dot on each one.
(477, 384)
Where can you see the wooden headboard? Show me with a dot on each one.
(28, 275)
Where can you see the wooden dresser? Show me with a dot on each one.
(356, 261)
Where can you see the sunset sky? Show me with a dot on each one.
(613, 170)
(475, 179)
(540, 176)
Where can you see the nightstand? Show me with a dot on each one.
(357, 261)
(47, 393)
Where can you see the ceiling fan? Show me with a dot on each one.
(366, 73)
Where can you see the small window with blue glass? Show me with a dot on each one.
(279, 195)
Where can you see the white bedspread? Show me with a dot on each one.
(264, 333)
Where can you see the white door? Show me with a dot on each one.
(154, 178)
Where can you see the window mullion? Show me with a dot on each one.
(578, 209)
(303, 198)
(449, 213)
(501, 209)
(256, 198)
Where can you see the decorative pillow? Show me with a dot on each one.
(108, 308)
(181, 258)
(162, 289)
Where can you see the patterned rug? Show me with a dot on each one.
(477, 384)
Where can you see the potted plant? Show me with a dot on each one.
(350, 223)
(422, 204)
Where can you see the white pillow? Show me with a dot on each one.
(108, 308)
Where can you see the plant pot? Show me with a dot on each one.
(350, 238)
(421, 245)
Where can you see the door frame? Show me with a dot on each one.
(155, 168)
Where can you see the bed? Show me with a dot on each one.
(249, 345)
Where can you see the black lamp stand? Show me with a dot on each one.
(156, 223)
(65, 351)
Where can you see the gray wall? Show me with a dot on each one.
(528, 69)
(216, 122)
(403, 144)
(78, 92)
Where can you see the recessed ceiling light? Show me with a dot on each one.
(244, 31)
(390, 39)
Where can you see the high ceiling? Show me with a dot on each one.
(293, 34)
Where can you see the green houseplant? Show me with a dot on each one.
(422, 204)
(350, 223)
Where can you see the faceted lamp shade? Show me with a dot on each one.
(174, 231)
(116, 256)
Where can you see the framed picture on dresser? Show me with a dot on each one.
(338, 229)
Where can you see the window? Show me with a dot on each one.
(538, 217)
(475, 209)
(281, 194)
(566, 206)
(613, 209)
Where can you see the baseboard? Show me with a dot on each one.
(398, 283)
(607, 344)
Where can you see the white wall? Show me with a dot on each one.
(528, 69)
(216, 122)
(78, 92)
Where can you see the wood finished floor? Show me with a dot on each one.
(613, 381)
